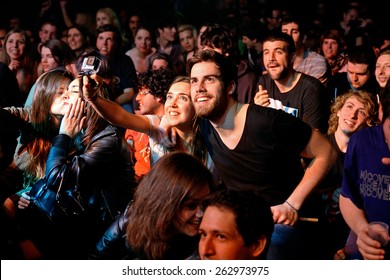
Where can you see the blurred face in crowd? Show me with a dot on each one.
(358, 74)
(47, 32)
(105, 43)
(47, 60)
(187, 40)
(102, 19)
(292, 29)
(159, 63)
(143, 41)
(201, 30)
(134, 23)
(168, 33)
(75, 39)
(3, 32)
(15, 46)
(330, 48)
(352, 116)
(249, 43)
(148, 103)
(382, 69)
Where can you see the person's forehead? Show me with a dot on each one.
(49, 26)
(107, 34)
(291, 25)
(134, 19)
(180, 87)
(385, 58)
(16, 35)
(74, 83)
(352, 65)
(204, 68)
(219, 218)
(274, 44)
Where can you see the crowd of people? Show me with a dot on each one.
(255, 134)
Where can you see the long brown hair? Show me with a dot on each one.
(46, 126)
(94, 122)
(197, 145)
(157, 201)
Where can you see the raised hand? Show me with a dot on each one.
(262, 97)
(73, 120)
(91, 85)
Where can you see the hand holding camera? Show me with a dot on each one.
(91, 85)
(91, 81)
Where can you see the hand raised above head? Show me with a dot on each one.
(91, 85)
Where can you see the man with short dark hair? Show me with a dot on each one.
(167, 42)
(286, 89)
(236, 225)
(124, 76)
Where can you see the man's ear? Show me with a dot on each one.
(231, 88)
(159, 99)
(258, 247)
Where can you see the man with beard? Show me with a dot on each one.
(259, 149)
(286, 89)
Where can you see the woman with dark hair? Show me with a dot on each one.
(160, 60)
(145, 47)
(55, 53)
(91, 153)
(80, 40)
(173, 233)
(173, 188)
(38, 125)
(333, 47)
(34, 129)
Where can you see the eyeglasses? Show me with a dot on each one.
(144, 92)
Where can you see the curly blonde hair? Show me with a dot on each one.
(364, 97)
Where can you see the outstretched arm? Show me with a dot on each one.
(112, 111)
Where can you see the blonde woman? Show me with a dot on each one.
(187, 37)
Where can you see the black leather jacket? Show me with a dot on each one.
(103, 173)
(112, 245)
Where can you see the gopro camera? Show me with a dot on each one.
(91, 65)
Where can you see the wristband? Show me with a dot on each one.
(295, 209)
